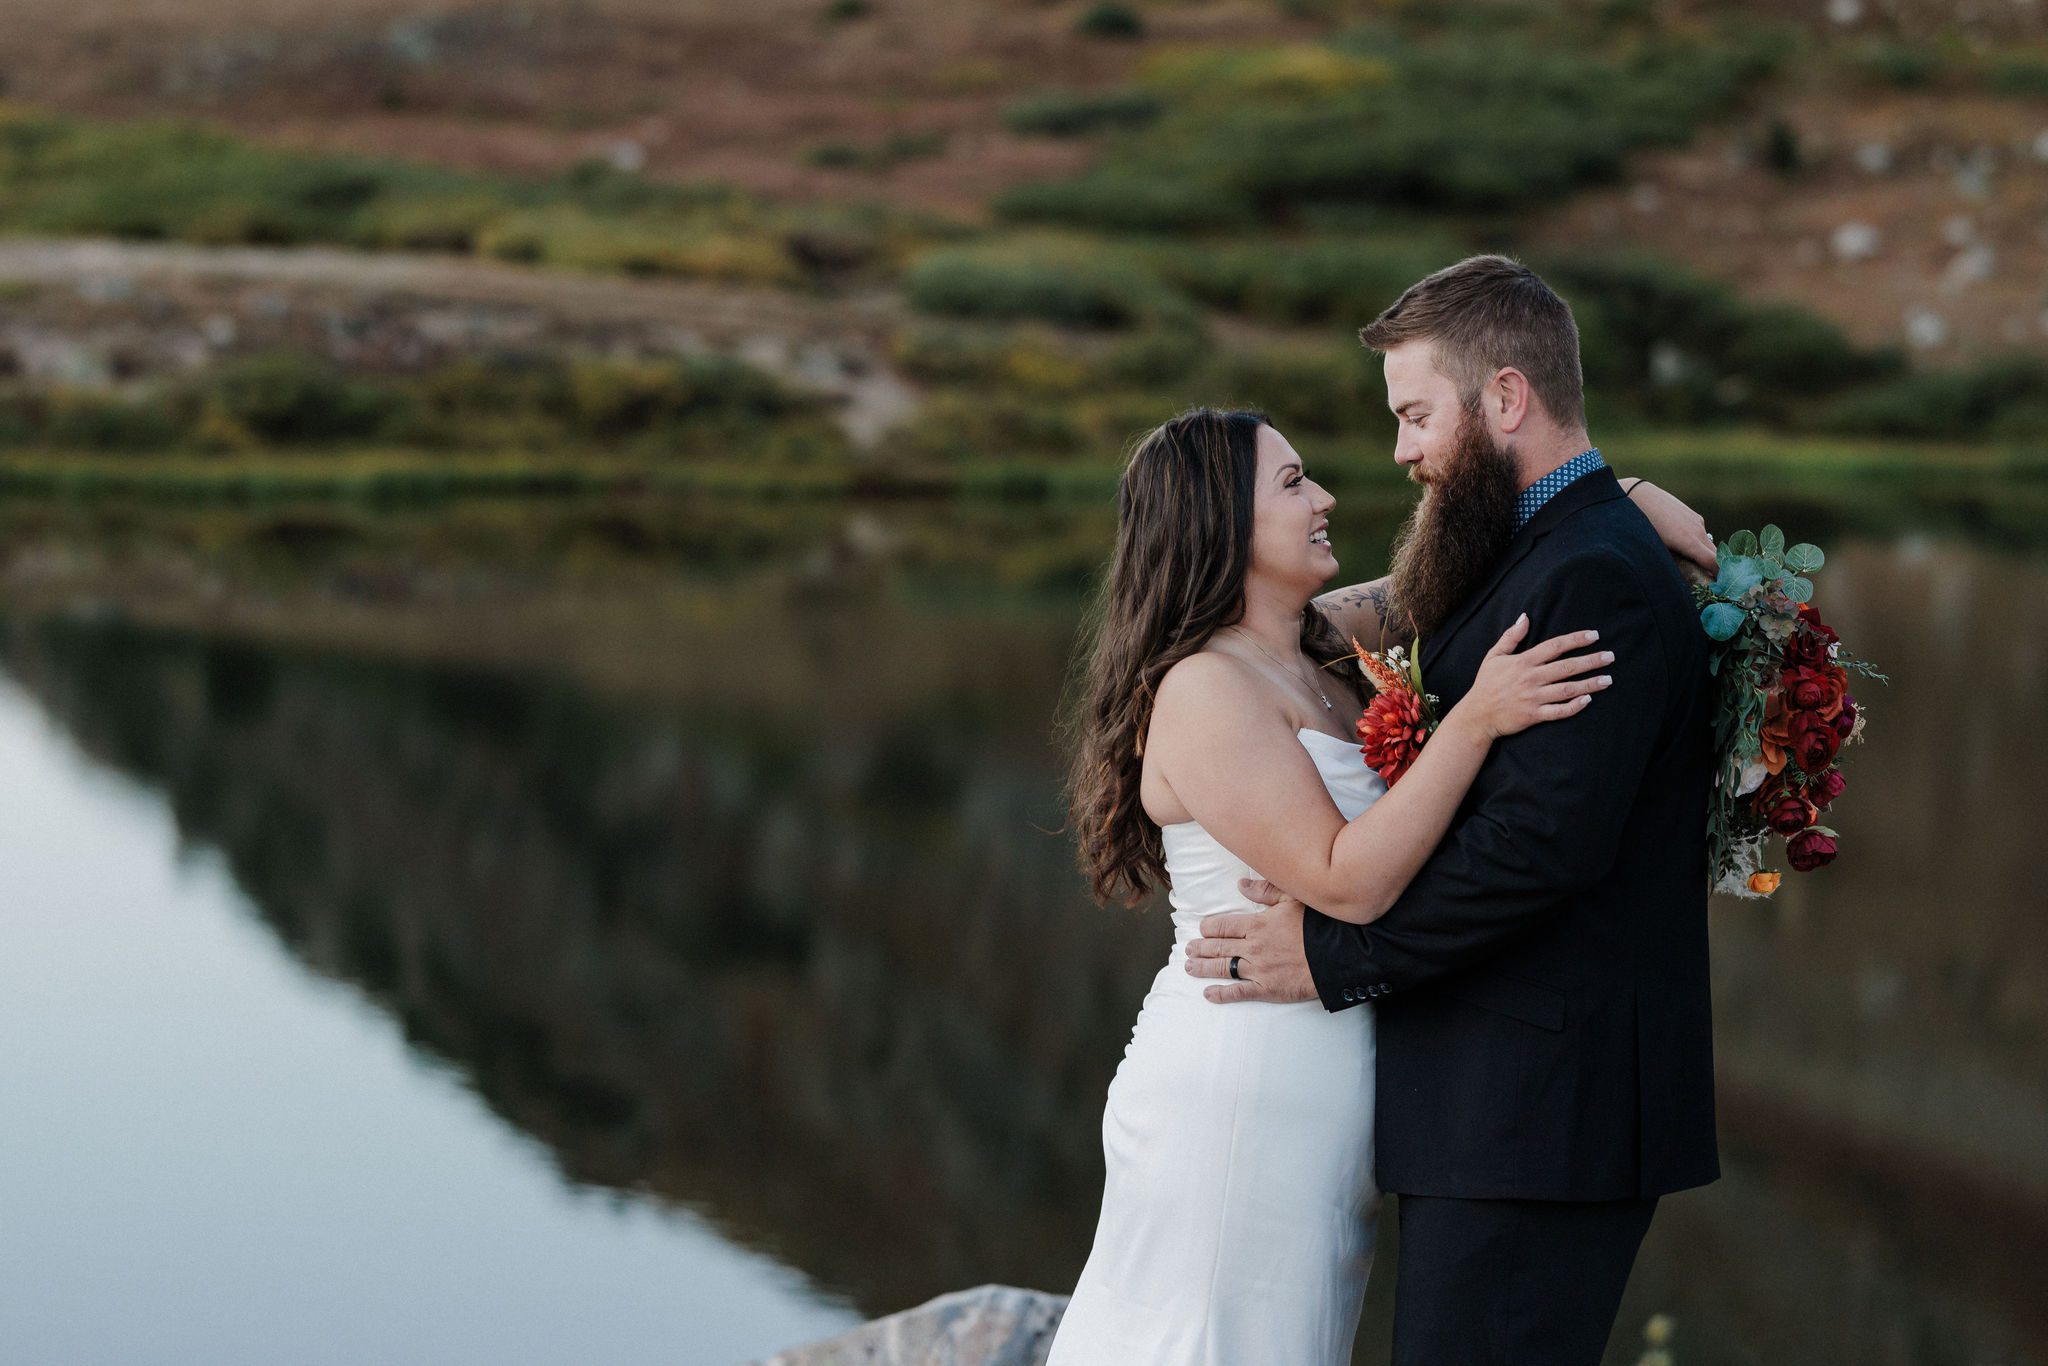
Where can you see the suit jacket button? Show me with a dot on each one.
(1384, 988)
(1350, 995)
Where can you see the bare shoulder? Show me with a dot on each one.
(1206, 688)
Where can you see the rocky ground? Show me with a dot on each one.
(95, 313)
(1911, 211)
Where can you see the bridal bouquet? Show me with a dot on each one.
(1782, 713)
(1401, 715)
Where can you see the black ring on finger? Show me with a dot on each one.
(1234, 961)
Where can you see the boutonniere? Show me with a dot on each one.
(1402, 713)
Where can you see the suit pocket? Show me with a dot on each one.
(1519, 998)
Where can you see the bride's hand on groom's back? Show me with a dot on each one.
(1516, 689)
(1683, 531)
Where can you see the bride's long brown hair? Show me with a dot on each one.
(1183, 547)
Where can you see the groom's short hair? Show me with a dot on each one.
(1484, 313)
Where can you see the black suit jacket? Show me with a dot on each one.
(1542, 984)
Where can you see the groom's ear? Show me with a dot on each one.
(1508, 400)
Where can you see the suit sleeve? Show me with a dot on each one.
(1544, 819)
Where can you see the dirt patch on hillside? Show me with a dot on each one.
(747, 95)
(1914, 220)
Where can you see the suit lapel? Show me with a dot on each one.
(1588, 489)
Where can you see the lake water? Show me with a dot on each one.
(703, 990)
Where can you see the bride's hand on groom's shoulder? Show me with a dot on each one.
(1271, 965)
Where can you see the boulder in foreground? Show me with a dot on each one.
(992, 1325)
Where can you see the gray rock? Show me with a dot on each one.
(1855, 241)
(992, 1325)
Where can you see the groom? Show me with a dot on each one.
(1545, 1048)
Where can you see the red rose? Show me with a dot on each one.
(1790, 813)
(1825, 787)
(1810, 619)
(1810, 849)
(1393, 730)
(1814, 743)
(1816, 689)
(1807, 649)
(1845, 719)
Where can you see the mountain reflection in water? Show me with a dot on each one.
(797, 950)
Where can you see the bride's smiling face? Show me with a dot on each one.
(1290, 519)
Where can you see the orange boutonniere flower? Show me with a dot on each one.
(1400, 716)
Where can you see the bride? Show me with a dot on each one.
(1238, 1211)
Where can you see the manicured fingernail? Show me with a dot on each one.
(1607, 656)
(1605, 680)
(1592, 635)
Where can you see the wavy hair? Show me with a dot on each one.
(1176, 577)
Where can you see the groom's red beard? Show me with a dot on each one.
(1456, 534)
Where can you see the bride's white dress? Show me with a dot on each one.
(1238, 1210)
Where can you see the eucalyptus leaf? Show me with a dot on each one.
(1804, 558)
(1738, 576)
(1721, 620)
(1772, 541)
(1799, 590)
(1742, 543)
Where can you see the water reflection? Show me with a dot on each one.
(767, 940)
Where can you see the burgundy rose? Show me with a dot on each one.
(1814, 743)
(1816, 689)
(1845, 719)
(1806, 649)
(1790, 813)
(1810, 849)
(1810, 619)
(1825, 787)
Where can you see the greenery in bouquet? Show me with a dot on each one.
(1783, 711)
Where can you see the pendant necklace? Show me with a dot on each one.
(1327, 705)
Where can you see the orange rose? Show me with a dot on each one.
(1763, 884)
(1776, 733)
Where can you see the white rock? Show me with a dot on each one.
(626, 155)
(1959, 230)
(1875, 158)
(1645, 198)
(994, 1325)
(1855, 241)
(1845, 11)
(1668, 364)
(1925, 329)
(1970, 266)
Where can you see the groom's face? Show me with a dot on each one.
(1426, 404)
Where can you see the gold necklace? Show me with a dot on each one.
(1296, 670)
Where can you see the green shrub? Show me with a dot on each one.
(1661, 343)
(1903, 66)
(1998, 395)
(1485, 123)
(292, 400)
(1343, 281)
(1117, 200)
(1327, 389)
(1066, 114)
(953, 426)
(1110, 20)
(2020, 78)
(1072, 287)
(108, 422)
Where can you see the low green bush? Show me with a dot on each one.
(1067, 114)
(1072, 284)
(1110, 19)
(2003, 396)
(1485, 123)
